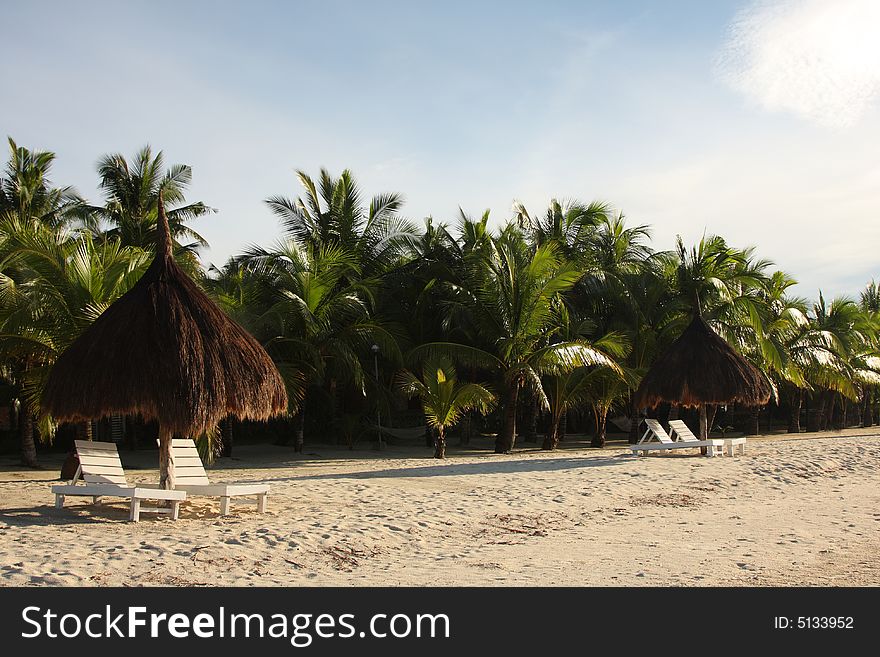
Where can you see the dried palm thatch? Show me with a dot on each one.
(166, 352)
(701, 368)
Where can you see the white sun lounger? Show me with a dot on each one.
(682, 430)
(664, 442)
(102, 475)
(190, 476)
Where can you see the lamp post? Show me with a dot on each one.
(375, 350)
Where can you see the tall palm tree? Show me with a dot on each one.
(444, 399)
(625, 291)
(848, 358)
(312, 314)
(27, 194)
(132, 195)
(332, 215)
(61, 283)
(869, 302)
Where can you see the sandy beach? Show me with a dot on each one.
(792, 511)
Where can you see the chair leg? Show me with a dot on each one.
(135, 510)
(175, 510)
(59, 501)
(224, 506)
(262, 501)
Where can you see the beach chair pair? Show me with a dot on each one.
(682, 438)
(100, 474)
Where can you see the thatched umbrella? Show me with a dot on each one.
(700, 368)
(166, 352)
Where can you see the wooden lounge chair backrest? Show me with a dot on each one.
(99, 463)
(682, 430)
(188, 468)
(657, 429)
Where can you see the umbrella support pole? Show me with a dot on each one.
(166, 461)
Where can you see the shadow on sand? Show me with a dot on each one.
(486, 466)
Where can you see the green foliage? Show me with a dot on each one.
(445, 399)
(571, 304)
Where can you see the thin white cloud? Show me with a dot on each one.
(818, 59)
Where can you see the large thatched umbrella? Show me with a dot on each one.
(700, 368)
(166, 352)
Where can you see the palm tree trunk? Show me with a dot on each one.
(814, 415)
(601, 425)
(794, 411)
(752, 426)
(551, 438)
(299, 424)
(563, 428)
(867, 414)
(507, 436)
(829, 414)
(712, 413)
(440, 444)
(634, 423)
(84, 431)
(26, 432)
(531, 421)
(704, 428)
(466, 428)
(166, 463)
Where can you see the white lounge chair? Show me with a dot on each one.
(190, 476)
(682, 430)
(102, 475)
(666, 442)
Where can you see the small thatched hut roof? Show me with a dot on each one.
(165, 351)
(701, 368)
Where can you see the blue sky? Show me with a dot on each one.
(757, 121)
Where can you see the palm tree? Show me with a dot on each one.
(443, 398)
(60, 284)
(869, 302)
(27, 194)
(312, 314)
(567, 224)
(847, 360)
(30, 204)
(511, 295)
(331, 215)
(132, 195)
(626, 291)
(580, 387)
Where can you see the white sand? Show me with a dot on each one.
(798, 511)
